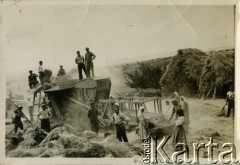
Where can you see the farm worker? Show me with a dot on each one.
(89, 57)
(40, 71)
(30, 108)
(93, 116)
(81, 66)
(17, 119)
(118, 119)
(45, 115)
(142, 132)
(176, 97)
(176, 106)
(179, 135)
(61, 71)
(230, 101)
(32, 80)
(185, 108)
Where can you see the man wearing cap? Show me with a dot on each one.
(81, 66)
(89, 57)
(17, 119)
(45, 114)
(40, 71)
(118, 119)
(61, 71)
(32, 80)
(93, 116)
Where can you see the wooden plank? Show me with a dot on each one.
(71, 99)
(133, 101)
(55, 106)
(39, 101)
(119, 101)
(136, 113)
(86, 83)
(160, 102)
(105, 108)
(154, 101)
(144, 98)
(158, 106)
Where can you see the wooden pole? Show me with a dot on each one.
(77, 102)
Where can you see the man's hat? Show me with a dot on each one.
(61, 66)
(87, 48)
(30, 71)
(18, 108)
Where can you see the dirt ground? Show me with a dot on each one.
(204, 124)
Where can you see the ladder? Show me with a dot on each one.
(39, 100)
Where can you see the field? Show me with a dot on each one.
(204, 124)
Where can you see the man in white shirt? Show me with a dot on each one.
(45, 115)
(230, 102)
(118, 119)
(81, 66)
(40, 71)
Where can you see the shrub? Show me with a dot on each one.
(144, 76)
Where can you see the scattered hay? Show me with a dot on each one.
(90, 150)
(116, 148)
(9, 146)
(70, 129)
(71, 141)
(61, 143)
(53, 149)
(53, 135)
(89, 134)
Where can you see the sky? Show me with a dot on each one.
(116, 34)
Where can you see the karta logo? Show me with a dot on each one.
(154, 152)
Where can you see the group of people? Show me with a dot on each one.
(181, 112)
(44, 115)
(85, 64)
(119, 120)
(32, 78)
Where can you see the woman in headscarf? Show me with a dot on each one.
(176, 106)
(179, 135)
(176, 97)
(185, 108)
(142, 132)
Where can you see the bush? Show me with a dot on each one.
(144, 76)
(149, 92)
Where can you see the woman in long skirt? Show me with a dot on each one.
(185, 108)
(142, 132)
(179, 135)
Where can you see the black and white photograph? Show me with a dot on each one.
(95, 80)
